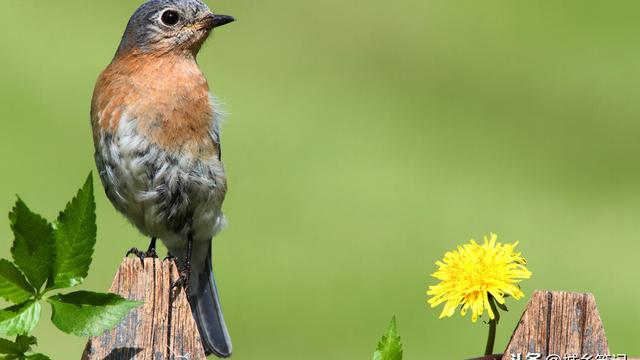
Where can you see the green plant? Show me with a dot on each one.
(49, 257)
(389, 347)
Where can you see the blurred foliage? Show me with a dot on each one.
(364, 140)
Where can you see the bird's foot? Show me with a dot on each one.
(138, 253)
(169, 257)
(182, 282)
(151, 253)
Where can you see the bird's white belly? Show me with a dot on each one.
(165, 194)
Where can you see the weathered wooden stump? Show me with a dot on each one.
(560, 323)
(557, 325)
(163, 328)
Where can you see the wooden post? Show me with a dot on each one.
(560, 323)
(163, 328)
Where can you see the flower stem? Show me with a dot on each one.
(493, 323)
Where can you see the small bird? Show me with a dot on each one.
(157, 146)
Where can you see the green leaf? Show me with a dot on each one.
(502, 306)
(32, 248)
(20, 319)
(85, 313)
(389, 347)
(75, 236)
(9, 347)
(13, 286)
(24, 342)
(19, 347)
(38, 357)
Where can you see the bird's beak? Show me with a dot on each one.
(213, 21)
(219, 20)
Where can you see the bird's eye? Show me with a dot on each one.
(170, 17)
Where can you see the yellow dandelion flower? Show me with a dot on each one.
(473, 272)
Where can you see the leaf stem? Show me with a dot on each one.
(493, 323)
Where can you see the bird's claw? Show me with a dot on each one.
(151, 253)
(182, 282)
(169, 257)
(138, 253)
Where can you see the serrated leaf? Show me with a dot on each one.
(20, 319)
(389, 347)
(13, 285)
(32, 248)
(86, 313)
(75, 236)
(19, 347)
(37, 357)
(24, 342)
(9, 347)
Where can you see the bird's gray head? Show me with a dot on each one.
(166, 26)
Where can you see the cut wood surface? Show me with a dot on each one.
(163, 328)
(560, 323)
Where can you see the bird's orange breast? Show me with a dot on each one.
(168, 96)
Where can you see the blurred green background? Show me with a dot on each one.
(365, 140)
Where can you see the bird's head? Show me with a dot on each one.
(169, 26)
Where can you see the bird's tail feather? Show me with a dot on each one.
(207, 312)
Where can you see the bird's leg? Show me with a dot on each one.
(185, 274)
(151, 252)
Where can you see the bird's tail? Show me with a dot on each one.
(206, 309)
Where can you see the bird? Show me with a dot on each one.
(156, 131)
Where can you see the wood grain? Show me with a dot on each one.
(163, 328)
(560, 323)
